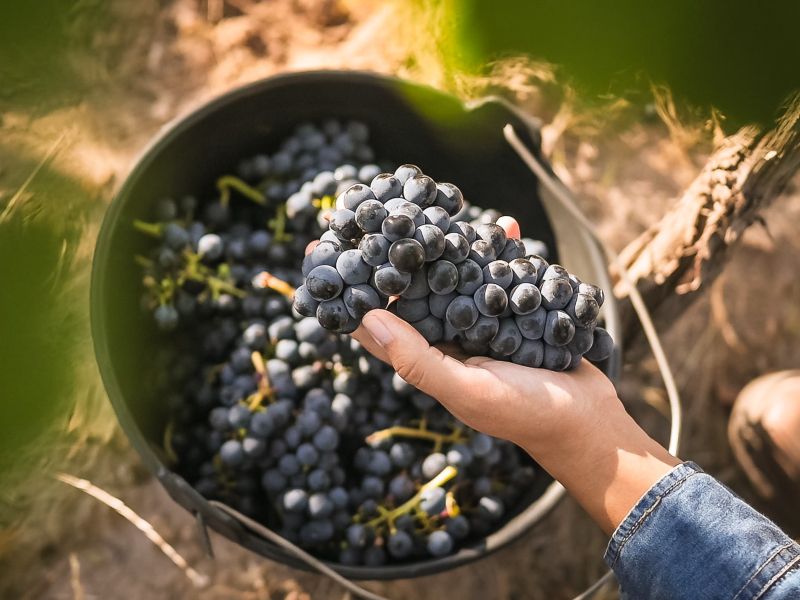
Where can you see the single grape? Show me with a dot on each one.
(592, 290)
(352, 268)
(433, 500)
(490, 508)
(442, 277)
(481, 444)
(556, 358)
(402, 488)
(498, 272)
(420, 190)
(440, 543)
(437, 216)
(555, 272)
(430, 328)
(372, 486)
(326, 439)
(360, 536)
(508, 338)
(343, 224)
(324, 253)
(333, 314)
(523, 271)
(531, 326)
(402, 454)
(391, 282)
(210, 247)
(483, 331)
(406, 255)
(295, 501)
(354, 196)
(386, 186)
(404, 172)
(232, 453)
(602, 346)
(368, 172)
(433, 465)
(259, 242)
(459, 456)
(491, 299)
(412, 310)
(324, 283)
(400, 544)
(582, 340)
(494, 234)
(558, 328)
(556, 293)
(524, 298)
(374, 249)
(457, 527)
(360, 299)
(374, 556)
(320, 506)
(583, 310)
(462, 313)
(370, 215)
(463, 228)
(166, 317)
(513, 250)
(470, 277)
(398, 226)
(316, 532)
(432, 240)
(482, 252)
(449, 197)
(274, 481)
(456, 248)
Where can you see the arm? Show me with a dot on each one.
(676, 532)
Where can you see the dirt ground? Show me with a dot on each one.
(158, 59)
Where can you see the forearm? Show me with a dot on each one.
(607, 462)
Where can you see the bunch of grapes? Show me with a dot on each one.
(406, 238)
(281, 418)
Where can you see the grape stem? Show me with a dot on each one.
(264, 388)
(278, 225)
(422, 434)
(446, 475)
(225, 183)
(151, 229)
(267, 280)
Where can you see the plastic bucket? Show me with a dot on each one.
(408, 123)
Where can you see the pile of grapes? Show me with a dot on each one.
(292, 424)
(401, 237)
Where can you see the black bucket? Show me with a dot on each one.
(408, 123)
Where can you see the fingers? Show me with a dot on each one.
(418, 363)
(510, 226)
(366, 340)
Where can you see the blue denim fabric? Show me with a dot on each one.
(691, 537)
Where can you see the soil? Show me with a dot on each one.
(156, 60)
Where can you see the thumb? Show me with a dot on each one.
(418, 363)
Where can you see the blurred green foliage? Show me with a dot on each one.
(738, 56)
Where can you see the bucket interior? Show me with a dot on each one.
(408, 124)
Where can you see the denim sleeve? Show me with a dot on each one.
(691, 537)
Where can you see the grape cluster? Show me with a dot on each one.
(285, 420)
(407, 239)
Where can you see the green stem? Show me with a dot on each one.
(423, 434)
(278, 225)
(225, 183)
(438, 481)
(151, 229)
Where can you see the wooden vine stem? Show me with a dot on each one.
(686, 250)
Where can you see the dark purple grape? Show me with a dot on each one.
(463, 228)
(583, 310)
(343, 224)
(541, 266)
(391, 282)
(370, 215)
(398, 226)
(529, 354)
(483, 330)
(324, 283)
(324, 253)
(556, 293)
(531, 326)
(442, 277)
(491, 299)
(582, 340)
(482, 252)
(470, 277)
(407, 255)
(555, 272)
(420, 190)
(440, 543)
(513, 250)
(449, 197)
(412, 310)
(359, 300)
(524, 298)
(400, 544)
(494, 234)
(430, 328)
(332, 314)
(386, 186)
(438, 303)
(431, 467)
(574, 361)
(524, 271)
(498, 272)
(602, 346)
(436, 215)
(462, 313)
(304, 303)
(558, 329)
(456, 248)
(355, 195)
(407, 208)
(432, 240)
(404, 172)
(374, 249)
(394, 203)
(595, 291)
(352, 268)
(508, 338)
(556, 358)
